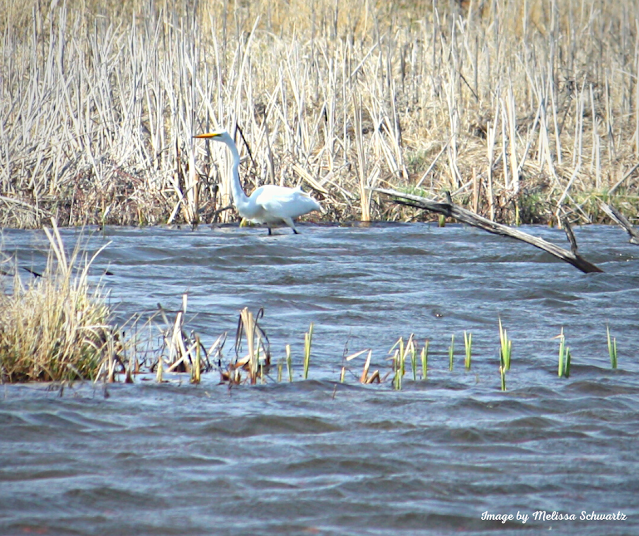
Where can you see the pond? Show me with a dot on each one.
(452, 453)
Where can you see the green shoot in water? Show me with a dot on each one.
(502, 371)
(468, 344)
(399, 358)
(308, 340)
(564, 357)
(289, 363)
(451, 352)
(506, 347)
(424, 357)
(612, 349)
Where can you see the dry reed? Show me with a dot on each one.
(524, 112)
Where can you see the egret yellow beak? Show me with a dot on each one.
(207, 135)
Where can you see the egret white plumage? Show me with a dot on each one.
(268, 204)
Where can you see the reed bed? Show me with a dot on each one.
(524, 111)
(57, 327)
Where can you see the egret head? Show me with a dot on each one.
(217, 135)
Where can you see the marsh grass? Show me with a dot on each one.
(424, 359)
(308, 342)
(506, 346)
(612, 348)
(505, 350)
(518, 110)
(563, 369)
(289, 363)
(258, 354)
(57, 327)
(468, 347)
(398, 362)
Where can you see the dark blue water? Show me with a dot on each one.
(321, 457)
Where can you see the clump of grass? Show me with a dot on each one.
(612, 349)
(308, 341)
(57, 327)
(468, 345)
(564, 357)
(184, 352)
(258, 357)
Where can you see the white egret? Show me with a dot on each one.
(269, 204)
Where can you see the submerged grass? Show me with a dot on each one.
(56, 327)
(612, 349)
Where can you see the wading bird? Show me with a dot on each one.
(269, 204)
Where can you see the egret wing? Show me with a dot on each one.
(280, 202)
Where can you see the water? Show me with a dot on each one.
(320, 457)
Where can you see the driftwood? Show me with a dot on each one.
(470, 218)
(622, 221)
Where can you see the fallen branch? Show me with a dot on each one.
(470, 218)
(622, 221)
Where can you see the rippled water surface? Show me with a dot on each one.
(321, 457)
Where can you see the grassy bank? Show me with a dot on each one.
(527, 108)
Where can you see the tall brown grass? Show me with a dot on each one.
(533, 105)
(55, 328)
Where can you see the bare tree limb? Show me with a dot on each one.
(470, 218)
(622, 221)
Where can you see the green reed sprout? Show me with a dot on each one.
(308, 341)
(468, 344)
(289, 363)
(398, 360)
(506, 347)
(424, 357)
(502, 371)
(279, 370)
(451, 352)
(564, 357)
(612, 349)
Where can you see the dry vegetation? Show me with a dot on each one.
(525, 107)
(55, 328)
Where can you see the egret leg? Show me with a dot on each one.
(289, 222)
(269, 231)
